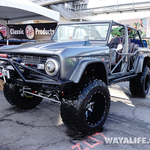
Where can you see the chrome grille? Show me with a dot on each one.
(31, 59)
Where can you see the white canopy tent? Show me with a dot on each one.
(15, 11)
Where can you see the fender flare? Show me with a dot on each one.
(81, 66)
(140, 63)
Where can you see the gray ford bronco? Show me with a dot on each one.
(75, 68)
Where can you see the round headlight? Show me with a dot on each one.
(1, 62)
(51, 67)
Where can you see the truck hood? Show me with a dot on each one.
(48, 48)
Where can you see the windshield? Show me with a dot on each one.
(78, 32)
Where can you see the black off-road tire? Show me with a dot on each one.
(76, 113)
(139, 86)
(15, 98)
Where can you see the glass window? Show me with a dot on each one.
(81, 32)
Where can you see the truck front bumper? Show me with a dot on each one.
(49, 83)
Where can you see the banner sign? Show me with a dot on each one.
(3, 30)
(40, 31)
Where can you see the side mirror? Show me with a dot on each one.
(119, 47)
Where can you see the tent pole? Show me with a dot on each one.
(7, 22)
(7, 42)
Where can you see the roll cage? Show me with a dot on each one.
(126, 63)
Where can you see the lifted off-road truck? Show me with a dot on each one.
(75, 68)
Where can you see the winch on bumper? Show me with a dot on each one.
(49, 83)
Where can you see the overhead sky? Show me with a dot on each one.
(100, 3)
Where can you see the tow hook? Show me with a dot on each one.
(4, 73)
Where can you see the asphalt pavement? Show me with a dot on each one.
(42, 128)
